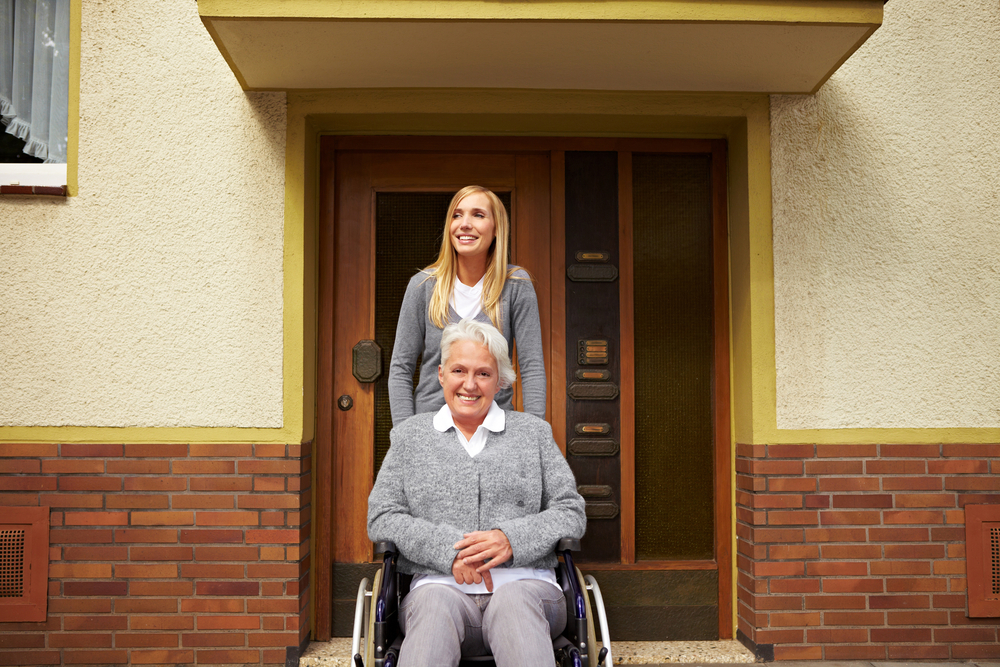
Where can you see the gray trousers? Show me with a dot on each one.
(517, 624)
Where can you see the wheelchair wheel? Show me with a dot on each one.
(370, 630)
(359, 619)
(602, 619)
(591, 634)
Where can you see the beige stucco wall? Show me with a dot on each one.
(154, 298)
(887, 229)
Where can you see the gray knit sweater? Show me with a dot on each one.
(416, 335)
(429, 492)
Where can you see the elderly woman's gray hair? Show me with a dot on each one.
(483, 334)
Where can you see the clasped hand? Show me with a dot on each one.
(478, 553)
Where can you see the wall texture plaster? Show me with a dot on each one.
(887, 229)
(154, 298)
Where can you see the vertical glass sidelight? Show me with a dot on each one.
(408, 228)
(673, 298)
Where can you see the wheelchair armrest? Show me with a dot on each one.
(385, 547)
(568, 544)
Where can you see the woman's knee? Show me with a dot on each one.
(432, 604)
(529, 599)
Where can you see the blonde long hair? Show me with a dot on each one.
(445, 268)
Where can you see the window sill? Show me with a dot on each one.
(50, 190)
(33, 179)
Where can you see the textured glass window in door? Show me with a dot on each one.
(673, 298)
(408, 228)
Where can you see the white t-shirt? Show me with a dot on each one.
(495, 421)
(467, 301)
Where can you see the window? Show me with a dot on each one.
(34, 91)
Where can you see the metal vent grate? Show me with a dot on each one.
(11, 563)
(982, 560)
(995, 559)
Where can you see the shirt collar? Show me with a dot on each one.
(496, 419)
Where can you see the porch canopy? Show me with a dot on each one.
(747, 46)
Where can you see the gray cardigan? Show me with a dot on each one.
(429, 492)
(416, 335)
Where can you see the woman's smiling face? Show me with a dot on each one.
(472, 227)
(469, 378)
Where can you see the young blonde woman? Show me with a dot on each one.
(470, 279)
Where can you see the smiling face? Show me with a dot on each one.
(469, 378)
(472, 227)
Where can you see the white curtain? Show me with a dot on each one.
(34, 74)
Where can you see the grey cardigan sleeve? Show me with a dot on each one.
(534, 536)
(406, 349)
(527, 333)
(421, 541)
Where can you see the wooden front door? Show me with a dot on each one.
(626, 243)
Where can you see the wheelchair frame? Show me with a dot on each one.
(382, 638)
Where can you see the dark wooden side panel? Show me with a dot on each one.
(344, 594)
(592, 313)
(658, 605)
(324, 391)
(626, 286)
(721, 394)
(557, 273)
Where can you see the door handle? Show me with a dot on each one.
(366, 361)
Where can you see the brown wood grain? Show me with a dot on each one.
(485, 144)
(353, 459)
(441, 172)
(557, 338)
(530, 242)
(626, 275)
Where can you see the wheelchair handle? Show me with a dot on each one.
(568, 544)
(385, 547)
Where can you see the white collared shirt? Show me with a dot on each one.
(495, 422)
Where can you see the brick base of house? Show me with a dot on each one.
(858, 552)
(165, 553)
(199, 554)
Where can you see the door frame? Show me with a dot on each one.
(556, 364)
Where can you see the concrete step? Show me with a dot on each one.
(336, 653)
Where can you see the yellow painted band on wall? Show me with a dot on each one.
(145, 435)
(73, 129)
(740, 11)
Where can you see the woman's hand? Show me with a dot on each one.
(467, 574)
(485, 548)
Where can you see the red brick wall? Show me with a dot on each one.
(165, 553)
(857, 552)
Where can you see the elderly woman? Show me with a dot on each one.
(475, 499)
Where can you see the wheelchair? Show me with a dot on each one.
(375, 616)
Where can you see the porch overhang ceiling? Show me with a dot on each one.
(746, 46)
